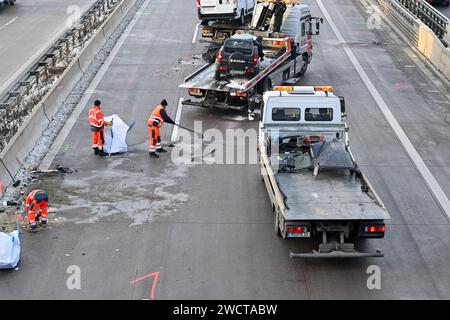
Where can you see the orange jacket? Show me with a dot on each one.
(36, 200)
(156, 118)
(96, 118)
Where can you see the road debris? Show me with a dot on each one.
(8, 222)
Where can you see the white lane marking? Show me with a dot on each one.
(8, 23)
(194, 38)
(46, 163)
(177, 120)
(427, 176)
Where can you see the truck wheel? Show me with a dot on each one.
(267, 86)
(303, 70)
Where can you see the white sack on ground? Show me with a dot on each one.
(9, 250)
(116, 135)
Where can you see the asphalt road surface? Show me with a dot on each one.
(444, 9)
(205, 231)
(28, 28)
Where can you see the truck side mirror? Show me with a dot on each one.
(317, 27)
(342, 99)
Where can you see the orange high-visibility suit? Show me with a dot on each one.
(97, 122)
(36, 205)
(154, 124)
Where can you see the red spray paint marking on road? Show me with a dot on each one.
(155, 282)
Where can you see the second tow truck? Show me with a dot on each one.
(287, 50)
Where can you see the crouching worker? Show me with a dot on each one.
(36, 206)
(98, 123)
(157, 119)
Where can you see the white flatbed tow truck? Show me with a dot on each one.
(314, 183)
(287, 54)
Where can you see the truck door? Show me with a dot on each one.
(303, 36)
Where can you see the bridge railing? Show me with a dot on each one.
(431, 17)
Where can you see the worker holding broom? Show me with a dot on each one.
(155, 122)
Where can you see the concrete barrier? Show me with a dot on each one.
(433, 49)
(62, 88)
(16, 152)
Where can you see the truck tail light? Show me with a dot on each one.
(238, 94)
(250, 71)
(255, 59)
(296, 229)
(222, 68)
(198, 4)
(220, 56)
(195, 92)
(313, 139)
(376, 229)
(278, 43)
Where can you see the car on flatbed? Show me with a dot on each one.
(239, 56)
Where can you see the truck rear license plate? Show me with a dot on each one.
(299, 235)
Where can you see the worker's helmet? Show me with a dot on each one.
(164, 103)
(97, 103)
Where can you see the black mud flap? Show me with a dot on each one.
(337, 254)
(221, 106)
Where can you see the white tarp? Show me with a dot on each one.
(116, 135)
(9, 250)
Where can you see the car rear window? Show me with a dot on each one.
(238, 45)
(286, 114)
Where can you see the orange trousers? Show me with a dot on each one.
(98, 139)
(155, 138)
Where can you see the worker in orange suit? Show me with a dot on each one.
(36, 206)
(97, 122)
(155, 122)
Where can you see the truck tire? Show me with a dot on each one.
(266, 86)
(304, 68)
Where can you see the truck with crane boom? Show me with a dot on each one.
(287, 50)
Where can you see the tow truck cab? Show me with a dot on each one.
(314, 183)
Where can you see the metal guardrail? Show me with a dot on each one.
(431, 17)
(404, 20)
(27, 92)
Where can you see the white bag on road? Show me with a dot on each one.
(116, 135)
(9, 250)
